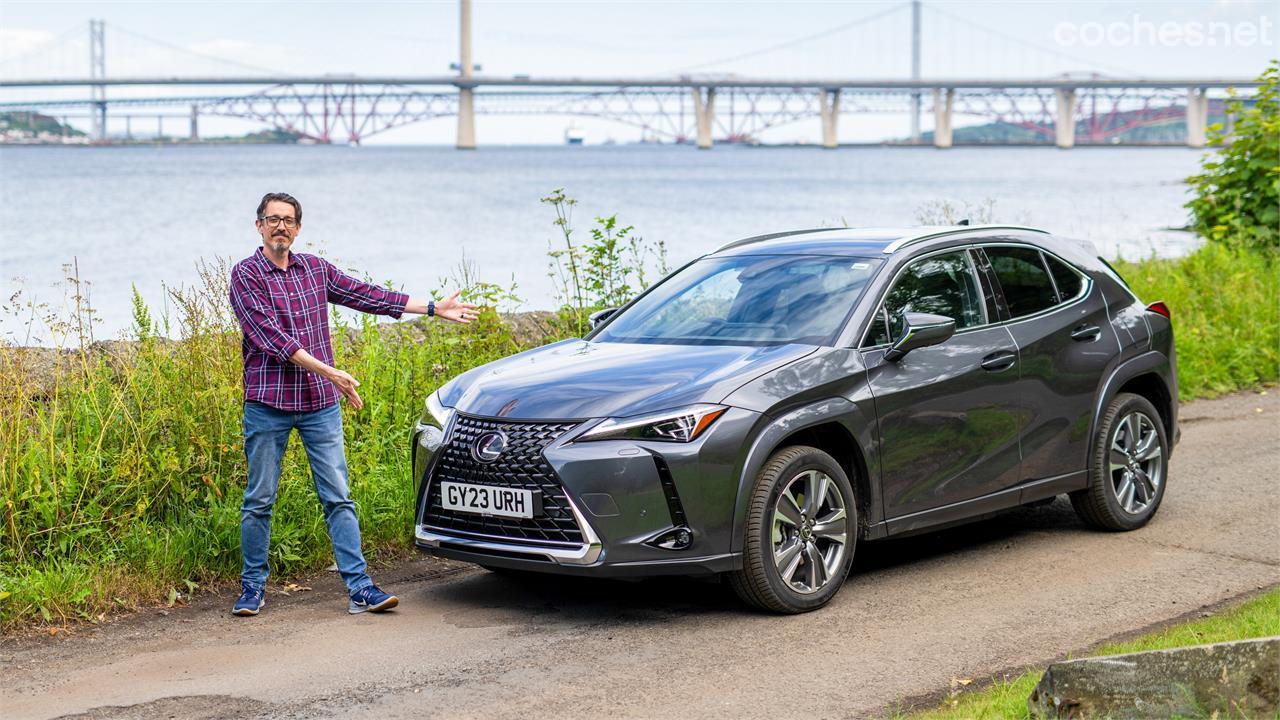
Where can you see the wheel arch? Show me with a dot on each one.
(836, 426)
(1147, 375)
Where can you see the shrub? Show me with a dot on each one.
(1237, 193)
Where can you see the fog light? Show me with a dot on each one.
(679, 538)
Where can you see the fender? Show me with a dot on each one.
(1150, 361)
(858, 422)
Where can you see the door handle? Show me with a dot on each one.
(1086, 333)
(998, 361)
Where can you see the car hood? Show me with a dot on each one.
(577, 379)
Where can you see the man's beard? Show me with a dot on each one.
(279, 244)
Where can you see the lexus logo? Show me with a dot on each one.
(489, 446)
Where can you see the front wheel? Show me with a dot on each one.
(802, 524)
(1127, 475)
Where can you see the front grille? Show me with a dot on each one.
(521, 465)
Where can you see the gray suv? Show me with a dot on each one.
(765, 408)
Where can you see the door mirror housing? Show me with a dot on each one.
(599, 316)
(920, 330)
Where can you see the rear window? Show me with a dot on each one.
(1069, 282)
(1023, 278)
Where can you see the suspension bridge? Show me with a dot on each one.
(699, 107)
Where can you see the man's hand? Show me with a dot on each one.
(346, 385)
(454, 310)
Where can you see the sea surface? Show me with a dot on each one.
(143, 216)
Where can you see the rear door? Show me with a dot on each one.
(1058, 319)
(946, 413)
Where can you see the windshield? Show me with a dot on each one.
(747, 300)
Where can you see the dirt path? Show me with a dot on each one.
(1018, 590)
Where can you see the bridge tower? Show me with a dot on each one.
(466, 97)
(98, 71)
(915, 70)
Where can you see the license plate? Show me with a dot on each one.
(488, 500)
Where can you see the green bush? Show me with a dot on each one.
(1237, 193)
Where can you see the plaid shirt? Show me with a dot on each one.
(282, 311)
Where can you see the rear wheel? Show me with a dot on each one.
(1129, 466)
(801, 530)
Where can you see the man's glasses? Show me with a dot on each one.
(276, 221)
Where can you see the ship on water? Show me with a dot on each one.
(573, 135)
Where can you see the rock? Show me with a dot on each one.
(1235, 679)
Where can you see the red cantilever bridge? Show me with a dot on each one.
(327, 109)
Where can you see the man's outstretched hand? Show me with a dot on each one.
(454, 310)
(347, 386)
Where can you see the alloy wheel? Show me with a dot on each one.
(1135, 463)
(810, 531)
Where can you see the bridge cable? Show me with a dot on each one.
(215, 58)
(780, 46)
(45, 46)
(1026, 43)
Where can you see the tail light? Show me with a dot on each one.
(1160, 308)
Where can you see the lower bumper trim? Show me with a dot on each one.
(585, 554)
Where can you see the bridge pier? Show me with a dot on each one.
(704, 108)
(943, 100)
(466, 98)
(1197, 117)
(195, 123)
(1064, 126)
(829, 105)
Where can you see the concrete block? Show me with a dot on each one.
(1233, 679)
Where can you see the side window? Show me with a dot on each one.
(1023, 279)
(1069, 282)
(878, 333)
(939, 284)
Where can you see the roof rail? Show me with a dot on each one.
(772, 236)
(902, 242)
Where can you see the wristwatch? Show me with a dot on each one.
(431, 308)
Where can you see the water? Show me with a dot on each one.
(143, 215)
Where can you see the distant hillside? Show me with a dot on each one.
(1172, 131)
(272, 136)
(18, 126)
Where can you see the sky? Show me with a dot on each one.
(1212, 38)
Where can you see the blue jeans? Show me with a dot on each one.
(266, 434)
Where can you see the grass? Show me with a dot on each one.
(121, 471)
(1226, 315)
(1006, 698)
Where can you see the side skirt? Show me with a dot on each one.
(979, 508)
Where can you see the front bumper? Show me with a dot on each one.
(624, 496)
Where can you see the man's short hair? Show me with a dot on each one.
(280, 197)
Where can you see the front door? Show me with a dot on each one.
(947, 413)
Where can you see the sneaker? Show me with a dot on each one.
(250, 602)
(370, 599)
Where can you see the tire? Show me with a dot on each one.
(794, 526)
(1129, 468)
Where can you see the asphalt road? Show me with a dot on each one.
(1016, 591)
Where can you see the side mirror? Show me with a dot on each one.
(920, 330)
(599, 316)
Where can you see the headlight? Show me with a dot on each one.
(682, 425)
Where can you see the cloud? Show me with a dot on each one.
(257, 54)
(20, 41)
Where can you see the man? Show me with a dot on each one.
(282, 301)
